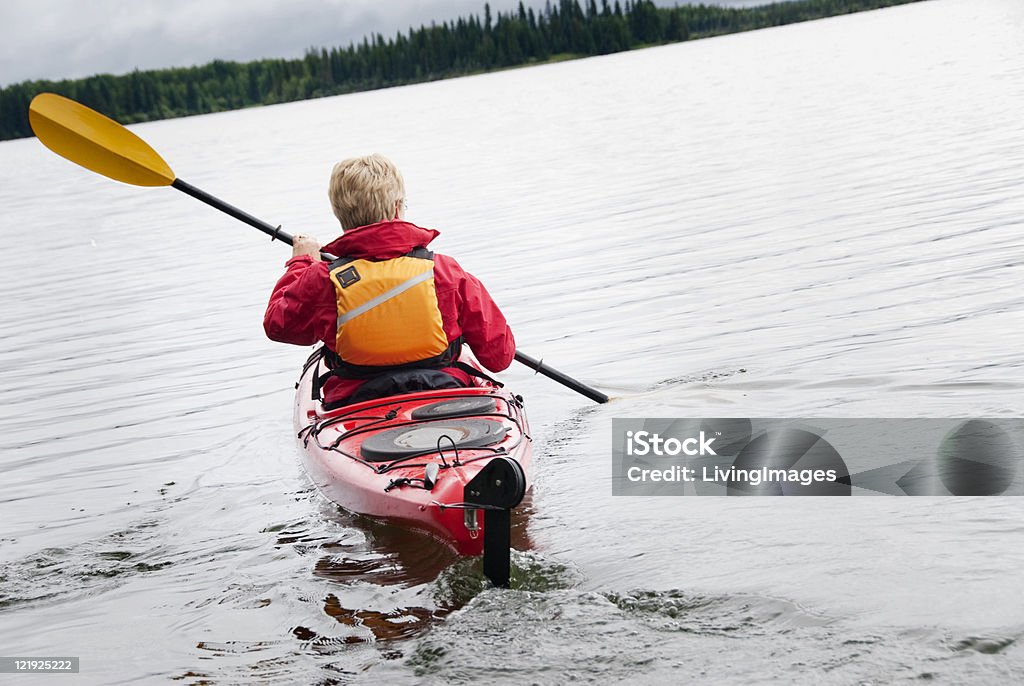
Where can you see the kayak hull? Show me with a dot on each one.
(372, 458)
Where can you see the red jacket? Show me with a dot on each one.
(303, 308)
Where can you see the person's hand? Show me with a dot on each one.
(304, 245)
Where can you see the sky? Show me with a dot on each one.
(58, 39)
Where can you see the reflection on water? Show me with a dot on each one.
(814, 220)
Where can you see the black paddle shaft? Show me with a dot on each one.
(565, 380)
(274, 232)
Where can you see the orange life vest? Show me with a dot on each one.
(387, 310)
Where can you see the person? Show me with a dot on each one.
(391, 314)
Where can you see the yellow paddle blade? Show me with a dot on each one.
(96, 142)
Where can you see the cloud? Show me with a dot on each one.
(56, 39)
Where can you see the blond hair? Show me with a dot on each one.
(365, 190)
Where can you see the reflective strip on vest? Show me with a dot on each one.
(386, 295)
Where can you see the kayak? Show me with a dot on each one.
(412, 459)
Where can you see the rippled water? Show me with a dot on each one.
(815, 220)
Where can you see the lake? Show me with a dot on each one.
(819, 220)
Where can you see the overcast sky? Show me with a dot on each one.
(56, 39)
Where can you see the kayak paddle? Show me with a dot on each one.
(100, 144)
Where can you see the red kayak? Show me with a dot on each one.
(411, 458)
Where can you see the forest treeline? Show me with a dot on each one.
(565, 28)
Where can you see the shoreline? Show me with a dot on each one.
(465, 47)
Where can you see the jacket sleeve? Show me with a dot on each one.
(302, 308)
(484, 327)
